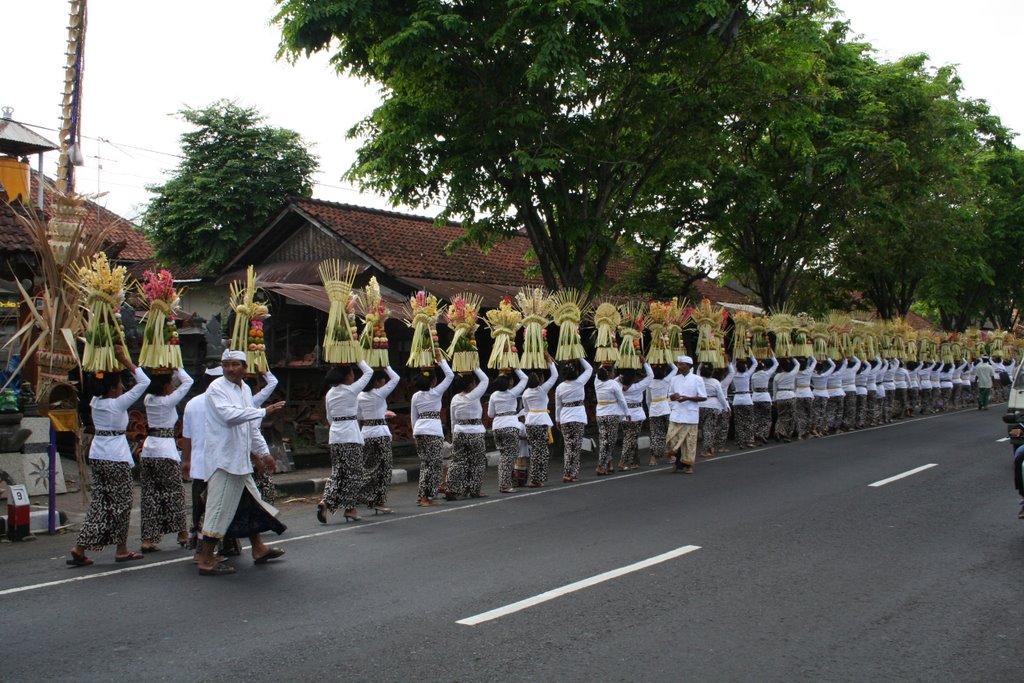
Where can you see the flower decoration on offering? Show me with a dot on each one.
(710, 320)
(504, 321)
(160, 348)
(661, 315)
(802, 335)
(606, 320)
(568, 306)
(341, 345)
(462, 316)
(675, 329)
(104, 289)
(247, 334)
(631, 333)
(422, 311)
(997, 343)
(781, 324)
(535, 305)
(373, 340)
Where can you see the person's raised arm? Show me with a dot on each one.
(588, 370)
(363, 380)
(393, 379)
(520, 385)
(481, 387)
(261, 396)
(552, 378)
(443, 385)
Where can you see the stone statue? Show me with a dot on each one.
(214, 338)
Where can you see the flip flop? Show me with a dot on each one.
(78, 560)
(128, 558)
(271, 554)
(150, 549)
(217, 570)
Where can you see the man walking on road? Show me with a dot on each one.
(984, 372)
(234, 507)
(685, 392)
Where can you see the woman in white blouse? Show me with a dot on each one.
(503, 409)
(538, 421)
(633, 390)
(427, 430)
(611, 410)
(163, 498)
(377, 453)
(658, 410)
(346, 442)
(469, 453)
(571, 415)
(110, 457)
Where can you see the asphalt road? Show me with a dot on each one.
(801, 571)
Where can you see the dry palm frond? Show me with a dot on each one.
(462, 316)
(661, 316)
(421, 314)
(606, 320)
(535, 305)
(374, 340)
(504, 321)
(710, 320)
(631, 332)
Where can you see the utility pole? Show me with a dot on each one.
(71, 106)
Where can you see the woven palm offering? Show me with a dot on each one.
(742, 337)
(819, 340)
(711, 321)
(568, 306)
(840, 340)
(606, 320)
(760, 343)
(247, 333)
(997, 343)
(631, 335)
(661, 315)
(781, 324)
(462, 316)
(421, 314)
(535, 305)
(104, 289)
(373, 340)
(504, 322)
(341, 344)
(161, 351)
(675, 329)
(900, 331)
(802, 335)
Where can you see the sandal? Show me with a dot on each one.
(128, 558)
(146, 549)
(271, 554)
(321, 512)
(217, 570)
(79, 560)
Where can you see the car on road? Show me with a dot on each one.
(1015, 407)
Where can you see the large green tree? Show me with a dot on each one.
(234, 173)
(552, 116)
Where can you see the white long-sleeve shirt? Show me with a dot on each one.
(819, 380)
(741, 395)
(849, 375)
(657, 394)
(689, 385)
(162, 413)
(716, 396)
(193, 428)
(573, 392)
(261, 396)
(610, 400)
(429, 401)
(785, 383)
(373, 404)
(835, 381)
(634, 395)
(535, 400)
(111, 415)
(342, 408)
(466, 409)
(503, 406)
(232, 428)
(760, 381)
(803, 379)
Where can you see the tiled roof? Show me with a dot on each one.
(413, 246)
(180, 273)
(708, 289)
(14, 238)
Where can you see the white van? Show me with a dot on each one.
(1016, 398)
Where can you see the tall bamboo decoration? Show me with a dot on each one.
(631, 332)
(661, 315)
(504, 321)
(340, 339)
(104, 289)
(535, 305)
(606, 319)
(247, 334)
(710, 320)
(421, 314)
(373, 340)
(568, 308)
(781, 324)
(462, 316)
(160, 348)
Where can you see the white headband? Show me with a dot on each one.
(231, 354)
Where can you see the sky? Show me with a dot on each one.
(144, 61)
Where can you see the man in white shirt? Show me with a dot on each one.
(686, 391)
(232, 426)
(985, 373)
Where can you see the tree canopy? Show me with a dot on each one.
(234, 173)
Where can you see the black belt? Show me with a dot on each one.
(465, 423)
(633, 405)
(109, 432)
(509, 414)
(167, 433)
(346, 418)
(736, 393)
(572, 404)
(430, 415)
(373, 423)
